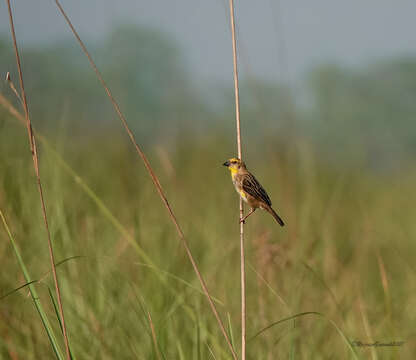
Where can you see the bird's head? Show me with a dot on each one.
(234, 164)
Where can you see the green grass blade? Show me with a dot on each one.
(33, 292)
(293, 343)
(230, 330)
(11, 292)
(211, 352)
(340, 332)
(55, 307)
(17, 289)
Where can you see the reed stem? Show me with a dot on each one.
(238, 128)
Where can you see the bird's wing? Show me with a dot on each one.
(253, 188)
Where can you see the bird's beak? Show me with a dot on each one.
(227, 164)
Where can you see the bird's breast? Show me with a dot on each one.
(239, 188)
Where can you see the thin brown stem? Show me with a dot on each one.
(35, 159)
(236, 88)
(152, 328)
(153, 176)
(242, 255)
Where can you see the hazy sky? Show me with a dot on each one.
(276, 38)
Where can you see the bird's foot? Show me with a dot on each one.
(242, 221)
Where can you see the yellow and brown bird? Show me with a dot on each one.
(250, 189)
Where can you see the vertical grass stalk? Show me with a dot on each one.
(238, 128)
(35, 159)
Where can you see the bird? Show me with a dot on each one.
(250, 189)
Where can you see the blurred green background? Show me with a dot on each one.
(337, 160)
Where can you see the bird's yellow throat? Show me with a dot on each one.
(233, 171)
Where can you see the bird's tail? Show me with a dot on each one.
(274, 214)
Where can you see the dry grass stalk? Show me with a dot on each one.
(242, 255)
(35, 158)
(152, 328)
(153, 177)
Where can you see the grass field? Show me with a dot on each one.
(346, 252)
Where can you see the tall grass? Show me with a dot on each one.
(340, 217)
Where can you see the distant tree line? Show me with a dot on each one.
(368, 112)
